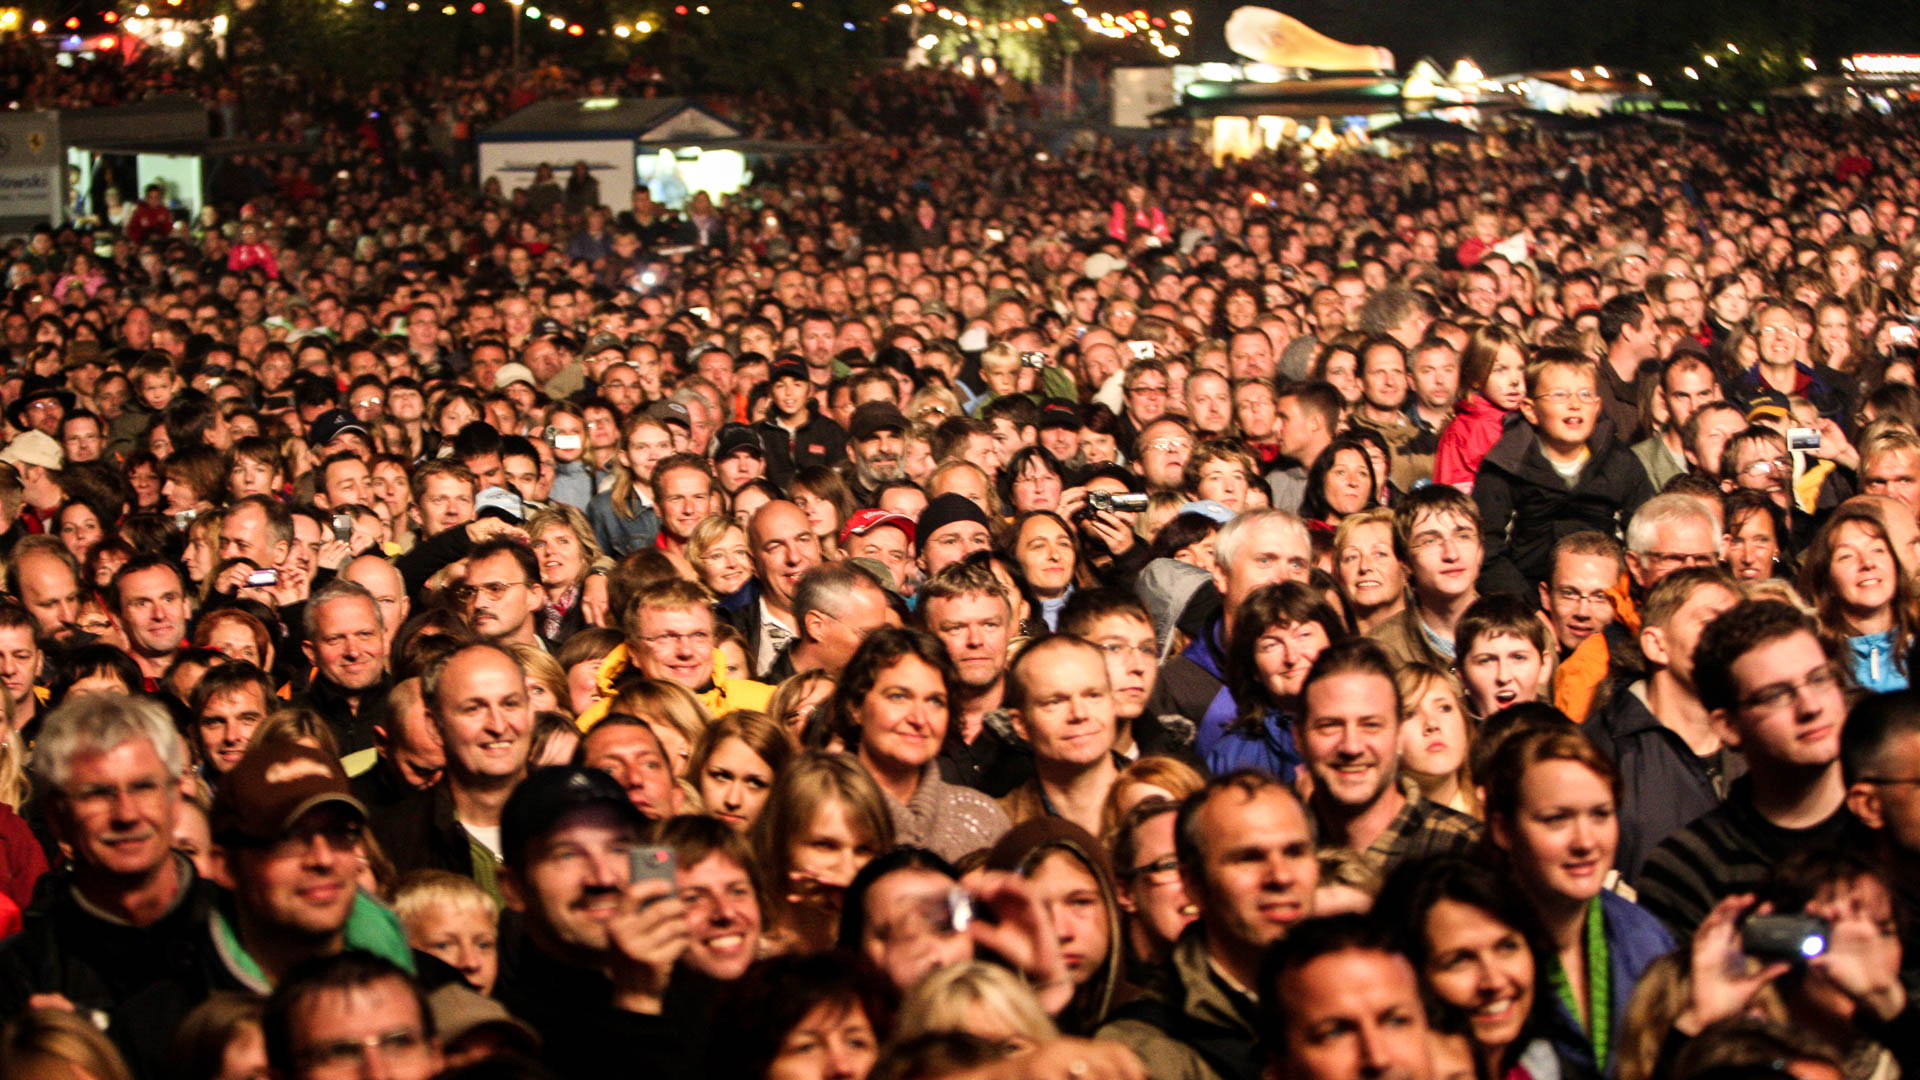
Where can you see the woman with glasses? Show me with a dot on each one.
(1277, 634)
(1861, 598)
(1033, 479)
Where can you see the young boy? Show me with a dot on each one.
(451, 917)
(1501, 652)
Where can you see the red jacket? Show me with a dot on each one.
(1475, 427)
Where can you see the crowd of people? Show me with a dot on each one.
(968, 608)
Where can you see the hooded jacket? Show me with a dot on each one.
(1022, 851)
(723, 696)
(1475, 427)
(1526, 507)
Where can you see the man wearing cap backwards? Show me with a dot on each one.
(37, 458)
(596, 977)
(738, 457)
(886, 538)
(795, 432)
(951, 528)
(477, 698)
(836, 606)
(876, 447)
(130, 913)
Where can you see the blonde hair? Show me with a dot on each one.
(1412, 680)
(946, 1001)
(792, 691)
(1664, 991)
(669, 703)
(540, 666)
(562, 516)
(15, 784)
(810, 782)
(38, 1039)
(708, 533)
(424, 892)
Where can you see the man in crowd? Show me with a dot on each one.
(837, 605)
(1577, 593)
(347, 646)
(1061, 703)
(43, 575)
(1436, 536)
(784, 547)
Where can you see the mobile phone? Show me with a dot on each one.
(342, 527)
(261, 579)
(701, 313)
(645, 863)
(1803, 438)
(560, 440)
(1793, 939)
(277, 401)
(1034, 359)
(1901, 335)
(996, 235)
(1141, 350)
(961, 911)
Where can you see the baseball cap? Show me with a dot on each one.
(737, 437)
(670, 412)
(500, 502)
(34, 447)
(275, 784)
(601, 342)
(875, 417)
(865, 521)
(1059, 414)
(788, 369)
(332, 424)
(510, 374)
(550, 793)
(1210, 509)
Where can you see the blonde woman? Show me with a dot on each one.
(546, 679)
(718, 551)
(979, 999)
(1153, 776)
(823, 821)
(58, 1042)
(674, 714)
(564, 548)
(1435, 733)
(795, 700)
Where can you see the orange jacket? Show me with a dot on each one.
(1580, 675)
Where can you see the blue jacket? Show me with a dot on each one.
(1635, 939)
(616, 535)
(1268, 749)
(1874, 664)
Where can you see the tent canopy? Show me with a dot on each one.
(668, 122)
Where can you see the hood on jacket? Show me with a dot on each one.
(1022, 851)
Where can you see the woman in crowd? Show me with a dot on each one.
(1863, 600)
(1493, 380)
(1032, 479)
(1340, 482)
(812, 1016)
(564, 547)
(823, 820)
(1372, 579)
(194, 480)
(1755, 536)
(736, 763)
(1552, 811)
(546, 679)
(718, 551)
(1045, 550)
(1436, 731)
(622, 515)
(822, 495)
(1221, 471)
(1069, 875)
(674, 714)
(983, 1000)
(1277, 634)
(1339, 365)
(1149, 776)
(797, 701)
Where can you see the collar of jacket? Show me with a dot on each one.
(1519, 445)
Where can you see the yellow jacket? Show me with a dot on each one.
(726, 695)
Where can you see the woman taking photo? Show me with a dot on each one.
(1552, 802)
(1373, 580)
(1049, 560)
(1069, 875)
(1277, 634)
(894, 706)
(1483, 960)
(1862, 599)
(823, 820)
(563, 546)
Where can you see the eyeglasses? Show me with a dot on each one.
(1767, 468)
(1147, 391)
(1561, 397)
(1820, 681)
(494, 590)
(340, 836)
(1121, 650)
(698, 639)
(345, 1057)
(1159, 872)
(1570, 595)
(1167, 446)
(1673, 560)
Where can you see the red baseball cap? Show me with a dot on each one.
(865, 521)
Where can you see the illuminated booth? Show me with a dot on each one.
(673, 146)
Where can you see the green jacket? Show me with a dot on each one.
(1192, 1025)
(371, 927)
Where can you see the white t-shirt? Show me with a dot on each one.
(488, 835)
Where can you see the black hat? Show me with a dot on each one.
(875, 417)
(788, 369)
(1059, 414)
(332, 424)
(946, 510)
(601, 342)
(38, 388)
(549, 794)
(670, 412)
(736, 437)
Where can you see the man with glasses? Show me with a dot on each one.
(502, 593)
(1561, 472)
(1880, 762)
(1161, 452)
(1780, 374)
(1577, 595)
(82, 437)
(1668, 533)
(1118, 625)
(1144, 394)
(837, 605)
(350, 1015)
(1151, 892)
(1774, 694)
(670, 637)
(128, 908)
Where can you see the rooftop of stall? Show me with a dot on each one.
(170, 139)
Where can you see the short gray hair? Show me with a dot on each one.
(337, 589)
(97, 723)
(1226, 545)
(1672, 508)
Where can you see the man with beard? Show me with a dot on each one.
(346, 643)
(876, 446)
(596, 976)
(148, 597)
